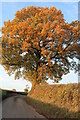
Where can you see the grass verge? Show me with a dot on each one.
(56, 101)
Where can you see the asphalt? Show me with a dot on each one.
(16, 107)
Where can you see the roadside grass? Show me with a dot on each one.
(56, 101)
(0, 95)
(3, 94)
(51, 111)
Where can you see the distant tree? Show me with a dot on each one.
(14, 90)
(48, 43)
(26, 90)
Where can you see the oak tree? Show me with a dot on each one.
(38, 44)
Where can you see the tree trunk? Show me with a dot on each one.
(32, 89)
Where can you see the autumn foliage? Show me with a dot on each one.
(48, 43)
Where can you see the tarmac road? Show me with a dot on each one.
(16, 107)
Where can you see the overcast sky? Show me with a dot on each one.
(70, 11)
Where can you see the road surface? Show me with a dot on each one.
(16, 107)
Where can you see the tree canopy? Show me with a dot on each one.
(38, 44)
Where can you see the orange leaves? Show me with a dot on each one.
(9, 41)
(44, 35)
(29, 28)
(75, 29)
(27, 39)
(78, 33)
(17, 14)
(20, 15)
(46, 29)
(25, 46)
(43, 32)
(62, 33)
(44, 17)
(53, 9)
(42, 52)
(23, 12)
(35, 45)
(39, 25)
(7, 23)
(54, 24)
(28, 19)
(39, 69)
(59, 12)
(40, 13)
(57, 29)
(49, 62)
(50, 34)
(37, 40)
(32, 25)
(47, 26)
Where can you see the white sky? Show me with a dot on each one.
(8, 82)
(69, 78)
